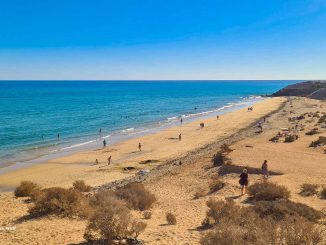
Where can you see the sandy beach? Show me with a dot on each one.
(175, 185)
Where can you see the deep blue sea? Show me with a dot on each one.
(32, 113)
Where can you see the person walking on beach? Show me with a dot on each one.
(139, 146)
(243, 181)
(179, 137)
(264, 169)
(104, 143)
(96, 161)
(109, 160)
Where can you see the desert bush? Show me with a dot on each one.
(65, 202)
(137, 227)
(170, 218)
(323, 193)
(101, 198)
(220, 158)
(109, 222)
(147, 215)
(27, 189)
(225, 148)
(268, 191)
(235, 225)
(308, 189)
(280, 209)
(81, 186)
(215, 185)
(297, 230)
(275, 138)
(290, 138)
(200, 193)
(136, 196)
(218, 211)
(312, 132)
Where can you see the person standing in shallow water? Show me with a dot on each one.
(264, 169)
(181, 120)
(104, 143)
(58, 137)
(243, 181)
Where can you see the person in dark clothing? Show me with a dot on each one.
(104, 143)
(179, 137)
(139, 146)
(243, 181)
(264, 169)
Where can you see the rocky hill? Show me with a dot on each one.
(309, 89)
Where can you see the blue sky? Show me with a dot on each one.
(163, 39)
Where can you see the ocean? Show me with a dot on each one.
(33, 113)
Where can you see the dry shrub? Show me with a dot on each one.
(27, 189)
(110, 222)
(297, 230)
(215, 185)
(235, 225)
(268, 191)
(226, 149)
(57, 200)
(312, 132)
(323, 193)
(170, 218)
(137, 227)
(136, 196)
(290, 138)
(147, 215)
(81, 186)
(279, 210)
(200, 193)
(220, 158)
(308, 189)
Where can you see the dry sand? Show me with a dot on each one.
(174, 185)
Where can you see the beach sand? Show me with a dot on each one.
(174, 185)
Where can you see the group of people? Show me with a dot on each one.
(244, 177)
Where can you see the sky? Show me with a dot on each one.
(162, 39)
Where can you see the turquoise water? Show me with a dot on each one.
(32, 113)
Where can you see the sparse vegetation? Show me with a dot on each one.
(236, 225)
(136, 196)
(200, 193)
(308, 189)
(220, 158)
(280, 209)
(323, 193)
(268, 191)
(171, 219)
(110, 222)
(290, 138)
(225, 148)
(147, 215)
(27, 189)
(61, 201)
(312, 132)
(215, 185)
(81, 186)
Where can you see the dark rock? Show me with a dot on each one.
(309, 89)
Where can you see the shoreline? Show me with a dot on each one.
(126, 134)
(159, 146)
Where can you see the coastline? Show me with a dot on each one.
(159, 146)
(62, 149)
